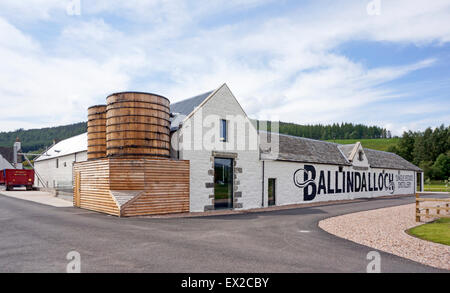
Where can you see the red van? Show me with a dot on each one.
(16, 178)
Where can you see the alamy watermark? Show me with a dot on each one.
(74, 265)
(374, 8)
(227, 133)
(374, 266)
(73, 7)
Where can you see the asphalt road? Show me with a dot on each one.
(37, 238)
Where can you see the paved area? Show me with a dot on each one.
(37, 238)
(38, 197)
(384, 229)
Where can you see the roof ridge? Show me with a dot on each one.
(191, 98)
(301, 137)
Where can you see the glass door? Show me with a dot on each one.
(223, 183)
(271, 193)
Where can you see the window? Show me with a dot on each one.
(223, 183)
(223, 130)
(57, 163)
(271, 192)
(361, 156)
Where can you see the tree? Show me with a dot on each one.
(427, 168)
(406, 145)
(429, 149)
(441, 168)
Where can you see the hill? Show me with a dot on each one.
(379, 144)
(39, 139)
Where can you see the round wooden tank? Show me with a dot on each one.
(137, 125)
(96, 132)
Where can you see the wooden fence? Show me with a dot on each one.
(441, 206)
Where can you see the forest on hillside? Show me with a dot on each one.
(334, 131)
(430, 150)
(39, 139)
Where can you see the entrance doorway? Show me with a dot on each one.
(223, 183)
(271, 191)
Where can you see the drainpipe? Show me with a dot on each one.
(260, 158)
(262, 199)
(422, 179)
(16, 149)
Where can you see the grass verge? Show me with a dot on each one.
(437, 231)
(380, 144)
(437, 185)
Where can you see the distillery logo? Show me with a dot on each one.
(315, 183)
(305, 179)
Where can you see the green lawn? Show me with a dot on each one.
(380, 144)
(436, 185)
(437, 231)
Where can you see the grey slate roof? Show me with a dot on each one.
(7, 153)
(185, 107)
(380, 159)
(299, 149)
(347, 149)
(4, 164)
(305, 150)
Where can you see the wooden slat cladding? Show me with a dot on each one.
(127, 174)
(94, 187)
(77, 189)
(166, 189)
(165, 186)
(97, 132)
(138, 125)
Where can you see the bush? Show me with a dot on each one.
(427, 167)
(441, 168)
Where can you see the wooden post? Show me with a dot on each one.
(417, 208)
(77, 191)
(438, 210)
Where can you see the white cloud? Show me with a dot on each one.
(281, 65)
(50, 90)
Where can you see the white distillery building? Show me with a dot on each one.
(235, 166)
(55, 166)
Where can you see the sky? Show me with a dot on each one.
(375, 62)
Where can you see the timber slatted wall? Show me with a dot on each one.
(164, 185)
(127, 174)
(94, 187)
(166, 189)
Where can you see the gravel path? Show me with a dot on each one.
(384, 229)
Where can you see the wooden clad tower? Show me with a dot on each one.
(129, 171)
(96, 132)
(137, 126)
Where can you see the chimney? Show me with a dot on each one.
(17, 159)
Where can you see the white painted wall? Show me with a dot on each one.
(364, 162)
(61, 176)
(221, 106)
(4, 164)
(288, 193)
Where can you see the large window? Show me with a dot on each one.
(223, 183)
(223, 130)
